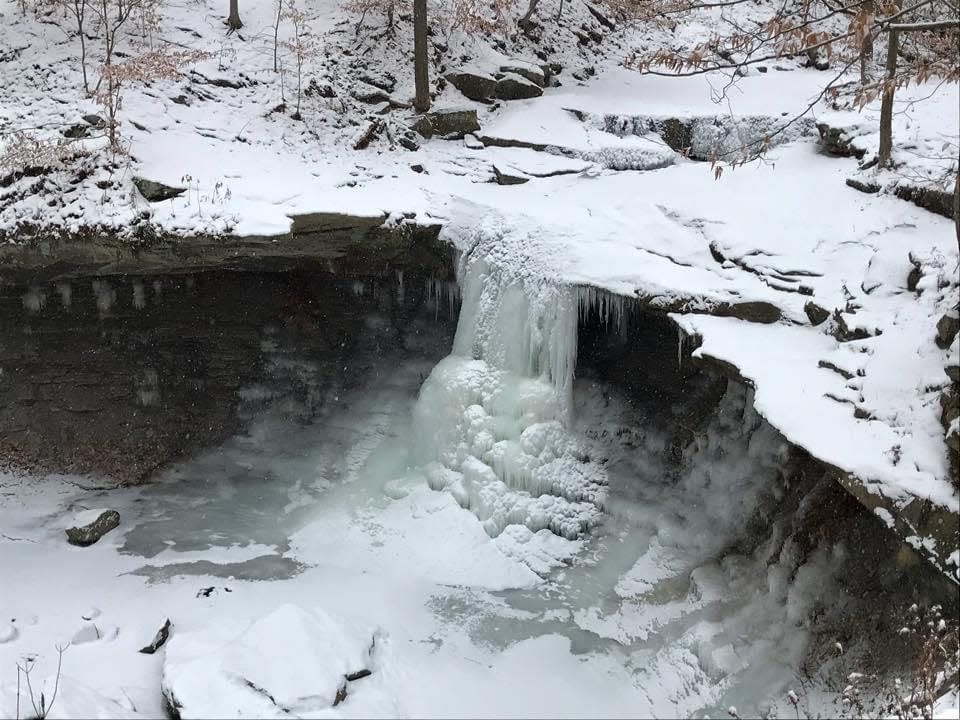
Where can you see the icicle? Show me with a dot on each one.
(34, 299)
(679, 347)
(105, 294)
(358, 288)
(65, 292)
(139, 299)
(400, 286)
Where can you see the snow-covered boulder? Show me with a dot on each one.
(531, 71)
(517, 87)
(474, 84)
(293, 660)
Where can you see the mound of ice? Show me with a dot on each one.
(492, 417)
(290, 661)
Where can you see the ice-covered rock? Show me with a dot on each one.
(293, 660)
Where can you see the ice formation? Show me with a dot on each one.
(492, 417)
(65, 291)
(34, 299)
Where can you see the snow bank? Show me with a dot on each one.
(293, 660)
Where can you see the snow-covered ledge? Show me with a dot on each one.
(877, 426)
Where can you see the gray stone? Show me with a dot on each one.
(817, 314)
(89, 534)
(929, 198)
(756, 311)
(533, 73)
(864, 186)
(158, 640)
(153, 191)
(472, 142)
(677, 134)
(94, 120)
(423, 126)
(75, 132)
(516, 87)
(385, 82)
(947, 328)
(474, 85)
(453, 123)
(844, 333)
(502, 178)
(836, 142)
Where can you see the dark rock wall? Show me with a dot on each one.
(119, 375)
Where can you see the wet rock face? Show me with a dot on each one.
(117, 376)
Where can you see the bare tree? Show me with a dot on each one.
(526, 22)
(276, 34)
(421, 75)
(302, 45)
(233, 19)
(919, 72)
(78, 8)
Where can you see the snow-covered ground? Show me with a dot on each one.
(293, 556)
(471, 604)
(784, 231)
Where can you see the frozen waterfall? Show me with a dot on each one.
(491, 420)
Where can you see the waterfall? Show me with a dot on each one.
(492, 418)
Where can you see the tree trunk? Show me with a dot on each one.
(886, 102)
(233, 20)
(526, 22)
(421, 75)
(866, 52)
(956, 206)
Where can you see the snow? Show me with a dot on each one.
(805, 410)
(505, 574)
(218, 671)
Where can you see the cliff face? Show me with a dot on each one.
(118, 375)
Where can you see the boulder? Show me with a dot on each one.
(865, 186)
(677, 134)
(473, 84)
(472, 142)
(90, 533)
(947, 328)
(158, 640)
(453, 123)
(815, 313)
(837, 141)
(291, 662)
(502, 178)
(516, 87)
(386, 81)
(533, 73)
(153, 191)
(75, 132)
(929, 198)
(423, 126)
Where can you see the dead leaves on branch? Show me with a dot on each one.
(163, 64)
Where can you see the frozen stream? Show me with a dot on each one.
(517, 542)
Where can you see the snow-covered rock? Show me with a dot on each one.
(292, 660)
